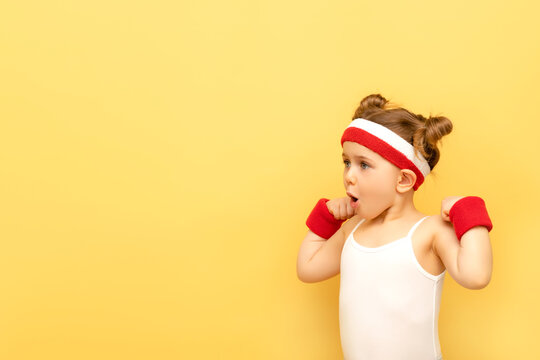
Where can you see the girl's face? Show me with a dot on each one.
(370, 178)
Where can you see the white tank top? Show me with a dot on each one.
(388, 304)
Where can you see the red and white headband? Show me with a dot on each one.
(389, 145)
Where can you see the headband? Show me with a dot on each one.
(389, 145)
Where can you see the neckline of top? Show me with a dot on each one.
(387, 245)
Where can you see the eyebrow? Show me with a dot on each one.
(357, 156)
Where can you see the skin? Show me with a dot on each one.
(385, 200)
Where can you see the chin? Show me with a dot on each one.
(370, 216)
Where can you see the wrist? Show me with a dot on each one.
(321, 221)
(467, 213)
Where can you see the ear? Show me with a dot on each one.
(406, 180)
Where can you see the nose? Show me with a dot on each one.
(349, 177)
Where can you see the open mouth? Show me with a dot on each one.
(354, 202)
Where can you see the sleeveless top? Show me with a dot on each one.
(388, 303)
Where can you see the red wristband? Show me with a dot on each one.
(467, 213)
(321, 221)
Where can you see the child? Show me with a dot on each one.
(391, 257)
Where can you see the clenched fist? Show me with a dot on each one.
(447, 204)
(341, 208)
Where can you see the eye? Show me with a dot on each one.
(363, 165)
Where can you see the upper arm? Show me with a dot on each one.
(447, 247)
(325, 262)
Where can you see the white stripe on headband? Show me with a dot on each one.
(394, 140)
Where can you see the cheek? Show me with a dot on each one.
(377, 187)
(375, 197)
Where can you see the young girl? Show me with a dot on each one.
(392, 258)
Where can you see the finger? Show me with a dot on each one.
(347, 208)
(342, 211)
(332, 210)
(336, 213)
(345, 211)
(329, 207)
(350, 211)
(445, 215)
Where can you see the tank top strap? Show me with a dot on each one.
(357, 225)
(408, 235)
(415, 226)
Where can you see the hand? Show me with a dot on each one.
(341, 208)
(447, 204)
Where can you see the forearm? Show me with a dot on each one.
(475, 259)
(320, 251)
(309, 247)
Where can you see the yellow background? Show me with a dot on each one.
(159, 159)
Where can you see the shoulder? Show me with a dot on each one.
(349, 225)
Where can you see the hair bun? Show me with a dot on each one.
(372, 104)
(373, 101)
(436, 128)
(426, 137)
